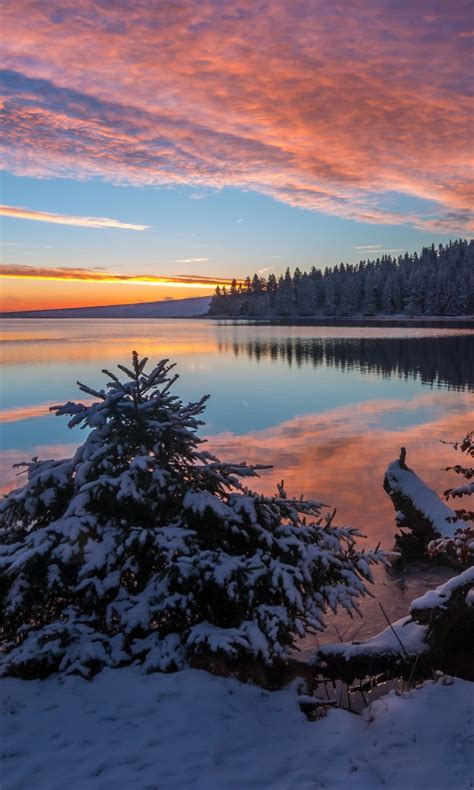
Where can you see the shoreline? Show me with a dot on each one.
(463, 322)
(449, 322)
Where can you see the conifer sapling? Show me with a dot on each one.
(143, 548)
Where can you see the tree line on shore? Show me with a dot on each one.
(438, 281)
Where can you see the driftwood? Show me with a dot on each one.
(438, 634)
(421, 516)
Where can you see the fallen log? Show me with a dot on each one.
(391, 653)
(438, 634)
(436, 605)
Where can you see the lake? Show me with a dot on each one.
(329, 407)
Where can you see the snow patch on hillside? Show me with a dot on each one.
(172, 308)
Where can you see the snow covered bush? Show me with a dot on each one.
(144, 548)
(460, 547)
(467, 489)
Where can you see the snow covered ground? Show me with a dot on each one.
(191, 730)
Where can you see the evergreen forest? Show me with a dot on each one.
(437, 282)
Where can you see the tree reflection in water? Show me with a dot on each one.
(443, 361)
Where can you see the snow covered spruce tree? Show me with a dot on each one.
(144, 548)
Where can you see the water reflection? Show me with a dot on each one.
(446, 361)
(340, 455)
(329, 436)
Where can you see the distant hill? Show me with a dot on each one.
(173, 308)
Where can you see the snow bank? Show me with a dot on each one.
(193, 731)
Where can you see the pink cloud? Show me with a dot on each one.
(19, 271)
(19, 212)
(328, 106)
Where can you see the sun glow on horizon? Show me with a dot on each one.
(27, 288)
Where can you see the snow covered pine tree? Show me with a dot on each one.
(144, 548)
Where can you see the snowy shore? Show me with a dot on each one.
(190, 730)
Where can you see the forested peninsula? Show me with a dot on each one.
(437, 282)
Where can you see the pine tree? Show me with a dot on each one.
(331, 303)
(234, 299)
(387, 297)
(297, 290)
(307, 296)
(284, 297)
(272, 288)
(416, 293)
(349, 293)
(369, 303)
(143, 548)
(218, 303)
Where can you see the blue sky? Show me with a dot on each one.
(237, 231)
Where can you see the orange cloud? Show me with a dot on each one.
(340, 107)
(66, 219)
(19, 413)
(23, 272)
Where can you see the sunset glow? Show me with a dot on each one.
(34, 284)
(85, 275)
(329, 130)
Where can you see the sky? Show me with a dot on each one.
(153, 150)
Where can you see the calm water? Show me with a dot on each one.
(329, 407)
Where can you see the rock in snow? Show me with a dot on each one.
(193, 731)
